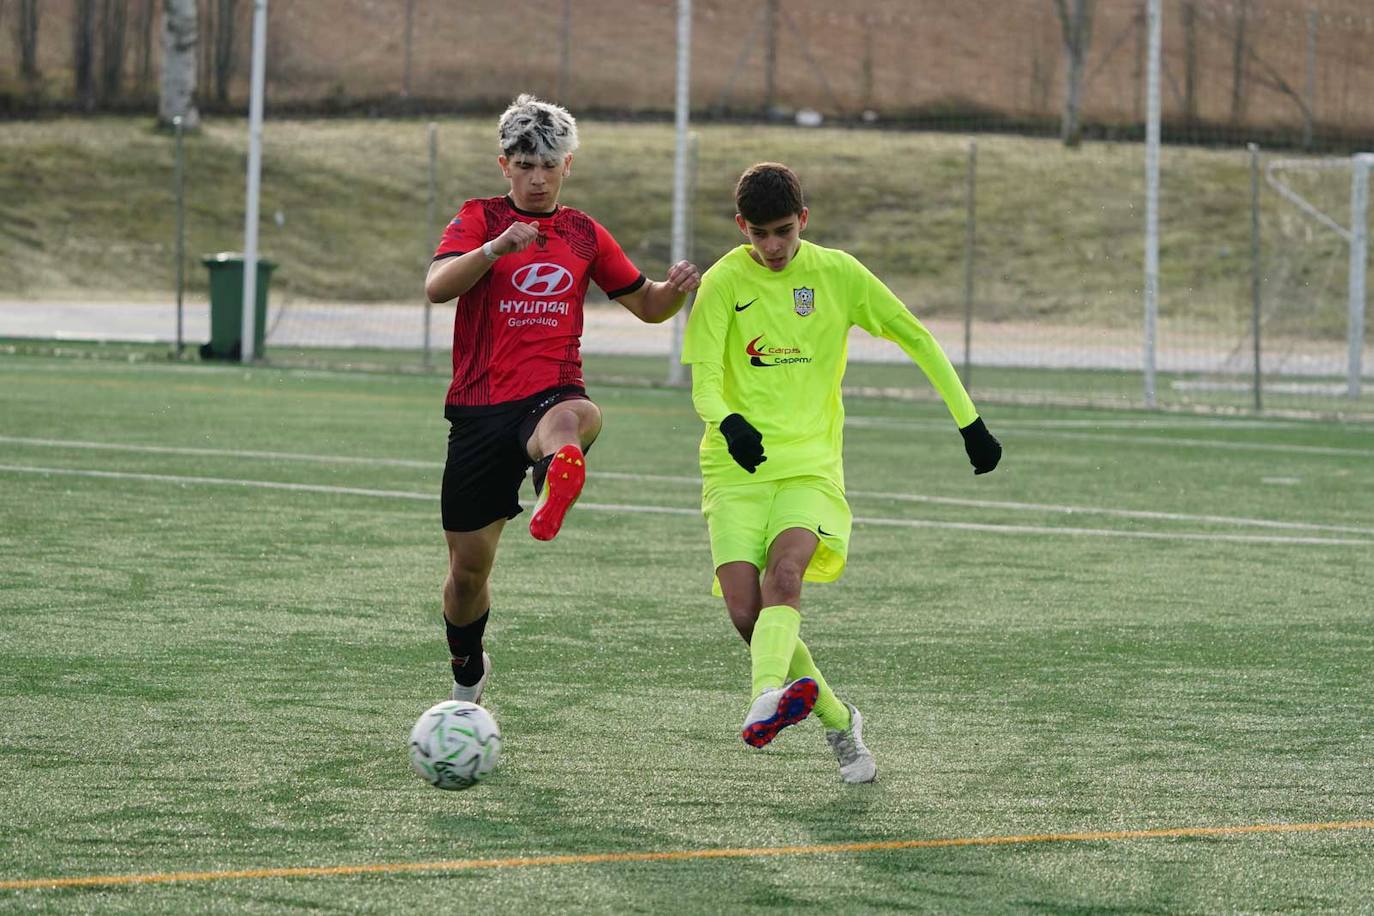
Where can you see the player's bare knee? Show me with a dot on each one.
(589, 421)
(783, 580)
(580, 419)
(465, 582)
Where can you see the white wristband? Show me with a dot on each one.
(488, 253)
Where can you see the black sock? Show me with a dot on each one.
(541, 470)
(465, 649)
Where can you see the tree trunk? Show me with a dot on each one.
(26, 39)
(206, 61)
(770, 57)
(83, 52)
(1142, 50)
(1042, 69)
(1189, 20)
(224, 48)
(145, 46)
(866, 70)
(1238, 60)
(1076, 27)
(409, 50)
(180, 34)
(114, 16)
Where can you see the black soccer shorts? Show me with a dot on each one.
(487, 457)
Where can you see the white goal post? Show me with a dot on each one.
(1356, 235)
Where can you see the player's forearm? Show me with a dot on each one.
(451, 277)
(660, 302)
(918, 343)
(708, 392)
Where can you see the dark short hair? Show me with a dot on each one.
(768, 191)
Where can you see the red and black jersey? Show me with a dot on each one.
(518, 331)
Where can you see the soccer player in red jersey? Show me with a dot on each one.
(519, 266)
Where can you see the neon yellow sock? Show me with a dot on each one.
(829, 709)
(775, 634)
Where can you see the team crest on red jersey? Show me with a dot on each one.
(804, 301)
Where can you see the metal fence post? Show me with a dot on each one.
(179, 186)
(430, 217)
(681, 198)
(1359, 252)
(1255, 273)
(970, 240)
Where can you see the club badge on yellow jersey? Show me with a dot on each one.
(804, 301)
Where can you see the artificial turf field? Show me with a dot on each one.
(1085, 676)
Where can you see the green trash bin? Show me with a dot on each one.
(226, 306)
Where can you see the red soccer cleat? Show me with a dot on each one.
(562, 485)
(778, 708)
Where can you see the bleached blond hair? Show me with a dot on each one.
(537, 128)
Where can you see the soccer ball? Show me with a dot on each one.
(455, 745)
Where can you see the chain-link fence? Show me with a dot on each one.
(1023, 253)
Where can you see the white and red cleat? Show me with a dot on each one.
(778, 708)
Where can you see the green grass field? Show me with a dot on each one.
(220, 605)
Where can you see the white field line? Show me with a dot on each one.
(1042, 507)
(184, 480)
(696, 481)
(1035, 429)
(1114, 513)
(1199, 423)
(674, 510)
(64, 366)
(860, 422)
(221, 453)
(1108, 532)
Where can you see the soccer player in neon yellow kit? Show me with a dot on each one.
(767, 343)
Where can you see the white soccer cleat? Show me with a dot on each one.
(856, 760)
(473, 694)
(778, 708)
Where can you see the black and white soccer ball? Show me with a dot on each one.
(455, 745)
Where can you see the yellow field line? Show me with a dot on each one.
(675, 855)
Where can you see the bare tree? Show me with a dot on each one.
(83, 51)
(225, 60)
(145, 45)
(1270, 77)
(1239, 56)
(770, 55)
(1041, 72)
(26, 39)
(114, 17)
(206, 59)
(1076, 26)
(180, 34)
(1140, 23)
(866, 68)
(1188, 18)
(409, 47)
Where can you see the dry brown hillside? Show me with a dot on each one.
(1250, 62)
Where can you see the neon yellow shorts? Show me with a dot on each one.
(745, 518)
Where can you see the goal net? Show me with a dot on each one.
(1314, 295)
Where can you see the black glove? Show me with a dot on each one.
(745, 442)
(984, 451)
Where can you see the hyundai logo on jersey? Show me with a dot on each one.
(542, 279)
